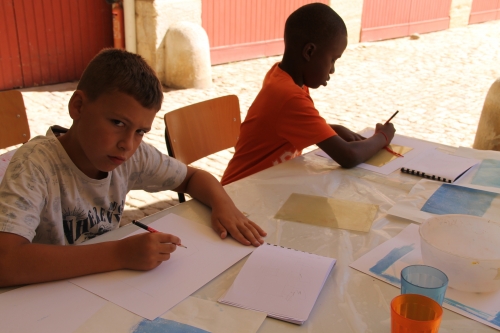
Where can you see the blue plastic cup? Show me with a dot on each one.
(424, 280)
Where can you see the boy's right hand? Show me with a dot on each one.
(388, 129)
(147, 250)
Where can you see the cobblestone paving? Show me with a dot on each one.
(438, 83)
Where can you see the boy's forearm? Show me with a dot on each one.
(205, 188)
(341, 131)
(28, 263)
(350, 154)
(365, 149)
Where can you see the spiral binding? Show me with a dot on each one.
(289, 248)
(424, 175)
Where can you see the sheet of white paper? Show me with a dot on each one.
(386, 261)
(445, 167)
(477, 177)
(428, 198)
(418, 146)
(4, 162)
(48, 307)
(152, 293)
(206, 315)
(282, 282)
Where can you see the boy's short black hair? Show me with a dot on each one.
(313, 23)
(118, 70)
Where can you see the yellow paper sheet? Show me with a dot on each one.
(328, 212)
(383, 156)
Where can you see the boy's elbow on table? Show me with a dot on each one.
(7, 279)
(349, 158)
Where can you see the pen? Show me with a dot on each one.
(392, 152)
(145, 227)
(394, 115)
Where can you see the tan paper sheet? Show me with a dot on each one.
(383, 156)
(328, 212)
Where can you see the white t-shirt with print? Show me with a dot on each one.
(45, 198)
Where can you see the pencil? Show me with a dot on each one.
(394, 115)
(145, 227)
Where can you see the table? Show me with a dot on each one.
(350, 301)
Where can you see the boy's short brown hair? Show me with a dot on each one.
(313, 23)
(118, 70)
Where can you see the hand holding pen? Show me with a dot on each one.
(144, 251)
(145, 227)
(387, 139)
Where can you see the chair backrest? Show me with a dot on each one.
(14, 127)
(198, 130)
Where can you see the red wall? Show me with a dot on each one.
(484, 10)
(246, 29)
(383, 19)
(50, 41)
(10, 59)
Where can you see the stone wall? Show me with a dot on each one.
(459, 13)
(350, 11)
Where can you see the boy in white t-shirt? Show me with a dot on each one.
(63, 190)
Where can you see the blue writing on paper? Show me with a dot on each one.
(390, 259)
(488, 174)
(493, 319)
(452, 199)
(163, 325)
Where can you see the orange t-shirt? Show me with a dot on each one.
(280, 123)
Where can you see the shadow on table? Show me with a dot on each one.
(146, 210)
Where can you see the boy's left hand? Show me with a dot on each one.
(226, 218)
(230, 219)
(346, 133)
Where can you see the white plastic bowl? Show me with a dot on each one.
(466, 248)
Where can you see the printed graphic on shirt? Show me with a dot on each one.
(288, 155)
(80, 226)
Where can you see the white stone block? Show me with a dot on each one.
(187, 60)
(153, 18)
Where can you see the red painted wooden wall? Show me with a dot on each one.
(383, 19)
(484, 10)
(10, 60)
(246, 29)
(50, 41)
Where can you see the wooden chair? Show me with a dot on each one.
(198, 130)
(14, 127)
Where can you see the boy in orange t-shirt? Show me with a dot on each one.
(283, 120)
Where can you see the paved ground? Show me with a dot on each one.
(437, 82)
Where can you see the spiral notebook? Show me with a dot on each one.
(282, 282)
(436, 165)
